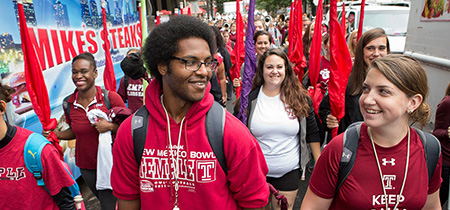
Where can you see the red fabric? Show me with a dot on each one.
(35, 82)
(201, 177)
(281, 199)
(316, 46)
(291, 27)
(18, 186)
(86, 135)
(109, 78)
(238, 54)
(341, 65)
(361, 18)
(362, 188)
(189, 11)
(343, 19)
(296, 56)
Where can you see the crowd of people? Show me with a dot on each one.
(185, 59)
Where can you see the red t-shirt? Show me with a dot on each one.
(203, 183)
(362, 189)
(18, 187)
(86, 135)
(134, 93)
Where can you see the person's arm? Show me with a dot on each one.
(433, 201)
(62, 135)
(315, 149)
(64, 199)
(313, 202)
(222, 81)
(129, 204)
(103, 126)
(332, 122)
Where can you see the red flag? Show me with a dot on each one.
(109, 78)
(315, 59)
(189, 11)
(291, 27)
(361, 19)
(341, 66)
(238, 54)
(296, 56)
(343, 19)
(35, 82)
(316, 47)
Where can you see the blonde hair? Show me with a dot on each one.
(409, 76)
(351, 47)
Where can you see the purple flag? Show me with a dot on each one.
(250, 63)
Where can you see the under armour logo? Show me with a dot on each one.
(138, 121)
(347, 156)
(392, 162)
(29, 151)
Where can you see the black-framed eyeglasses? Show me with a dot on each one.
(194, 65)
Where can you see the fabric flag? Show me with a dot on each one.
(291, 27)
(35, 83)
(238, 54)
(109, 78)
(189, 11)
(315, 58)
(343, 19)
(361, 19)
(341, 66)
(296, 56)
(250, 63)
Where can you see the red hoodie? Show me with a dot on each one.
(203, 183)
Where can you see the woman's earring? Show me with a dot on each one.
(410, 111)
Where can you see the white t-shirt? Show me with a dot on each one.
(276, 132)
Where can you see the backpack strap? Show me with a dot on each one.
(66, 105)
(32, 156)
(139, 127)
(106, 98)
(215, 123)
(350, 142)
(432, 149)
(126, 81)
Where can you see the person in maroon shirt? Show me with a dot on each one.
(18, 186)
(390, 170)
(442, 132)
(87, 97)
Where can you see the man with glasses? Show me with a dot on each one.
(178, 168)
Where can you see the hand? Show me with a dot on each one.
(236, 82)
(224, 99)
(332, 122)
(102, 125)
(46, 133)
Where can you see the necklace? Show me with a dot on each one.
(381, 174)
(172, 155)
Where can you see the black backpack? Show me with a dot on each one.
(215, 123)
(431, 146)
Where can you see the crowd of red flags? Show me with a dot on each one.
(361, 19)
(341, 66)
(109, 78)
(35, 81)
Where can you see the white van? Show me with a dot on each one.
(393, 19)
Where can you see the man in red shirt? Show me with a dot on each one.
(178, 168)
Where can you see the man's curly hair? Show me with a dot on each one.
(162, 42)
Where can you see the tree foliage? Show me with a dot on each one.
(272, 6)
